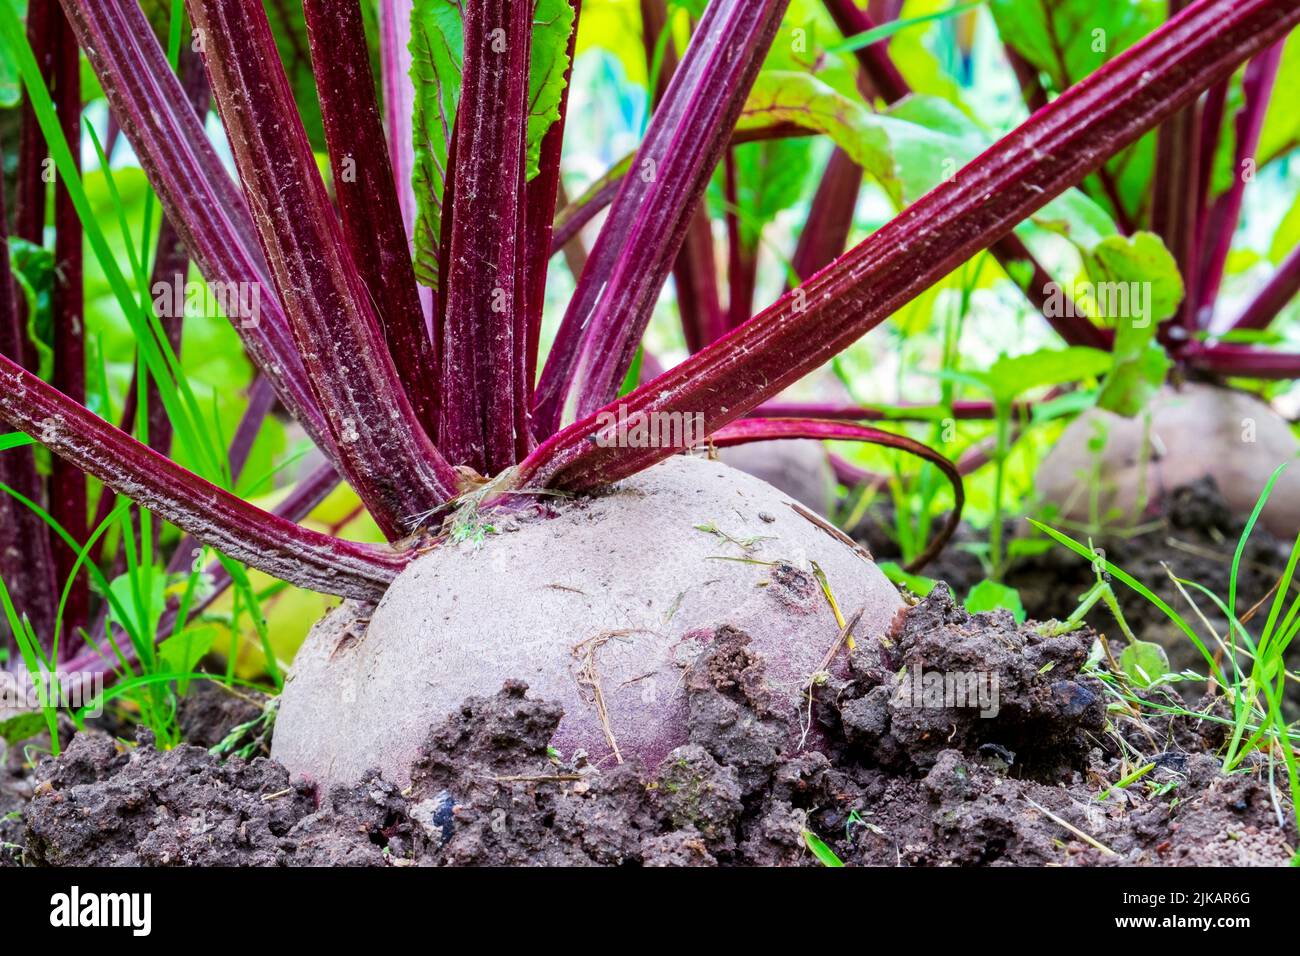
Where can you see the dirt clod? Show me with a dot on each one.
(898, 780)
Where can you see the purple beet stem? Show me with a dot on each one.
(380, 448)
(1053, 150)
(367, 195)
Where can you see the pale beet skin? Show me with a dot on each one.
(1196, 431)
(618, 592)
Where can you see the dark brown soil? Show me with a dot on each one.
(898, 784)
(1195, 537)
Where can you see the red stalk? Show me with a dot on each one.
(380, 447)
(1226, 212)
(961, 411)
(203, 203)
(573, 216)
(1212, 110)
(367, 195)
(875, 61)
(830, 218)
(1173, 209)
(648, 221)
(1273, 298)
(851, 20)
(304, 498)
(1073, 326)
(759, 429)
(68, 498)
(1243, 361)
(26, 562)
(30, 201)
(695, 270)
(575, 252)
(1053, 150)
(540, 198)
(216, 517)
(742, 262)
(484, 321)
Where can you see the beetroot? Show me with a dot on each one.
(421, 380)
(617, 591)
(1193, 432)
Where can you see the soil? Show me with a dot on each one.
(896, 783)
(1195, 537)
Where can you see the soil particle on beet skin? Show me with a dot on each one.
(895, 784)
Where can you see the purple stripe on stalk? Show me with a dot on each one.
(26, 561)
(481, 343)
(204, 204)
(367, 195)
(399, 107)
(399, 99)
(648, 221)
(216, 517)
(1052, 151)
(1221, 226)
(68, 502)
(380, 447)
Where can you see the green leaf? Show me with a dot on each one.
(437, 62)
(789, 96)
(15, 440)
(918, 584)
(548, 64)
(1141, 258)
(1281, 131)
(183, 652)
(770, 178)
(992, 596)
(33, 272)
(123, 589)
(22, 727)
(11, 83)
(1010, 377)
(1069, 39)
(1144, 663)
(633, 377)
(1134, 380)
(825, 855)
(1137, 285)
(437, 72)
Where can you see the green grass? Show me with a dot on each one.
(1256, 687)
(136, 600)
